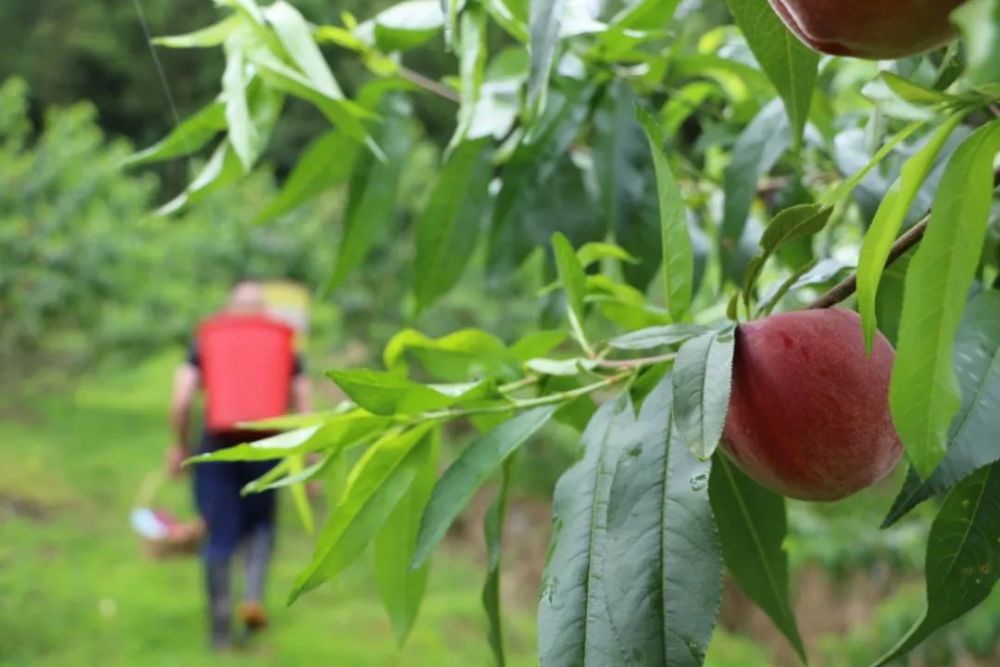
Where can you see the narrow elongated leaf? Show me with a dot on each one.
(222, 168)
(493, 531)
(670, 334)
(472, 64)
(449, 226)
(756, 152)
(401, 588)
(963, 556)
(375, 486)
(574, 282)
(595, 251)
(844, 189)
(702, 380)
(242, 133)
(789, 64)
(663, 567)
(792, 224)
(678, 253)
(452, 358)
(327, 162)
(573, 624)
(389, 393)
(626, 184)
(978, 21)
(338, 432)
(296, 37)
(213, 35)
(543, 25)
(972, 441)
(345, 114)
(924, 394)
(186, 138)
(473, 467)
(371, 207)
(752, 527)
(889, 218)
(300, 498)
(404, 25)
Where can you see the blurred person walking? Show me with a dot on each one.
(246, 364)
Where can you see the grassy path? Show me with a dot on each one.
(76, 591)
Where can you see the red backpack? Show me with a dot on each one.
(246, 366)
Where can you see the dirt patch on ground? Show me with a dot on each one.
(20, 507)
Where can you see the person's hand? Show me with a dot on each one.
(175, 459)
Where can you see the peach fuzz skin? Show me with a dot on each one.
(809, 411)
(873, 29)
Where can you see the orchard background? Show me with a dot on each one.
(530, 229)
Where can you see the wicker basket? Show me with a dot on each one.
(162, 535)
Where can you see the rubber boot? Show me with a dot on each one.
(260, 546)
(217, 579)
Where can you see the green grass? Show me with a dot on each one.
(76, 590)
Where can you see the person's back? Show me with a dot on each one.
(246, 365)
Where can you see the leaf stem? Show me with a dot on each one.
(523, 404)
(849, 285)
(910, 238)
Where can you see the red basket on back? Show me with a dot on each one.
(246, 365)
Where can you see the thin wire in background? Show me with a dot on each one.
(156, 61)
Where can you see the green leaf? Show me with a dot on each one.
(473, 467)
(345, 114)
(327, 162)
(979, 21)
(390, 393)
(702, 381)
(889, 218)
(924, 394)
(914, 93)
(339, 431)
(452, 358)
(403, 26)
(472, 65)
(371, 207)
(622, 169)
(295, 36)
(678, 253)
(963, 556)
(574, 627)
(792, 224)
(645, 14)
(595, 251)
(300, 475)
(504, 13)
(213, 35)
(845, 188)
(663, 567)
(300, 498)
(756, 152)
(186, 138)
(789, 64)
(574, 282)
(449, 226)
(401, 588)
(536, 344)
(543, 25)
(752, 528)
(493, 532)
(222, 169)
(375, 486)
(670, 334)
(972, 436)
(242, 133)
